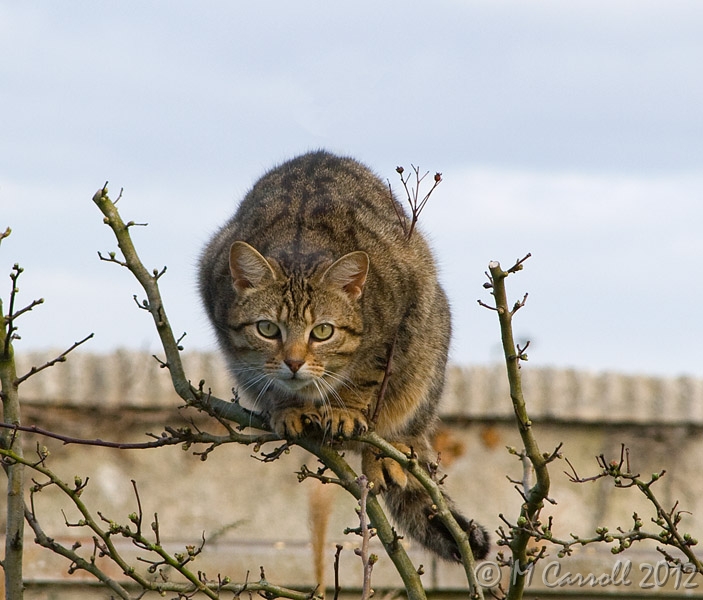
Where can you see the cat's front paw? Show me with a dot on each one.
(294, 422)
(345, 423)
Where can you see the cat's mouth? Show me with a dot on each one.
(294, 384)
(304, 389)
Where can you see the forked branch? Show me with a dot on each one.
(412, 194)
(537, 493)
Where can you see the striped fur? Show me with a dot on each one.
(318, 242)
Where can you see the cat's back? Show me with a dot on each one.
(316, 202)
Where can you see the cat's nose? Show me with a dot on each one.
(293, 364)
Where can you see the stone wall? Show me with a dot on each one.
(256, 514)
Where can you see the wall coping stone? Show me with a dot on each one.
(134, 379)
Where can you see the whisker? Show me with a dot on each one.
(325, 405)
(331, 392)
(267, 385)
(342, 379)
(249, 383)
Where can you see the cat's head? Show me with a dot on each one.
(294, 331)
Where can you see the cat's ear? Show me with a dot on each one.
(349, 273)
(247, 267)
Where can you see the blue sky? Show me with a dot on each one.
(570, 130)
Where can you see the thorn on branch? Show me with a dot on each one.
(179, 340)
(162, 364)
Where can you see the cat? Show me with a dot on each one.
(309, 287)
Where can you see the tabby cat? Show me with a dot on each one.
(309, 286)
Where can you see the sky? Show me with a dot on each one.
(573, 131)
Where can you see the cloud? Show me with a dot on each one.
(569, 131)
(563, 203)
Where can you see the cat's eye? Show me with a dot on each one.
(322, 332)
(268, 329)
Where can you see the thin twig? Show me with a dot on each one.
(170, 437)
(367, 559)
(384, 383)
(337, 587)
(413, 197)
(50, 363)
(27, 308)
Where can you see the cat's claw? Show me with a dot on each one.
(300, 421)
(294, 422)
(342, 423)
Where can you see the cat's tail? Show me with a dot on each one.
(320, 503)
(411, 508)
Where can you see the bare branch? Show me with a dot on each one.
(518, 266)
(8, 322)
(27, 308)
(534, 495)
(368, 560)
(402, 219)
(111, 257)
(50, 363)
(170, 437)
(488, 306)
(384, 383)
(337, 587)
(412, 193)
(103, 540)
(11, 440)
